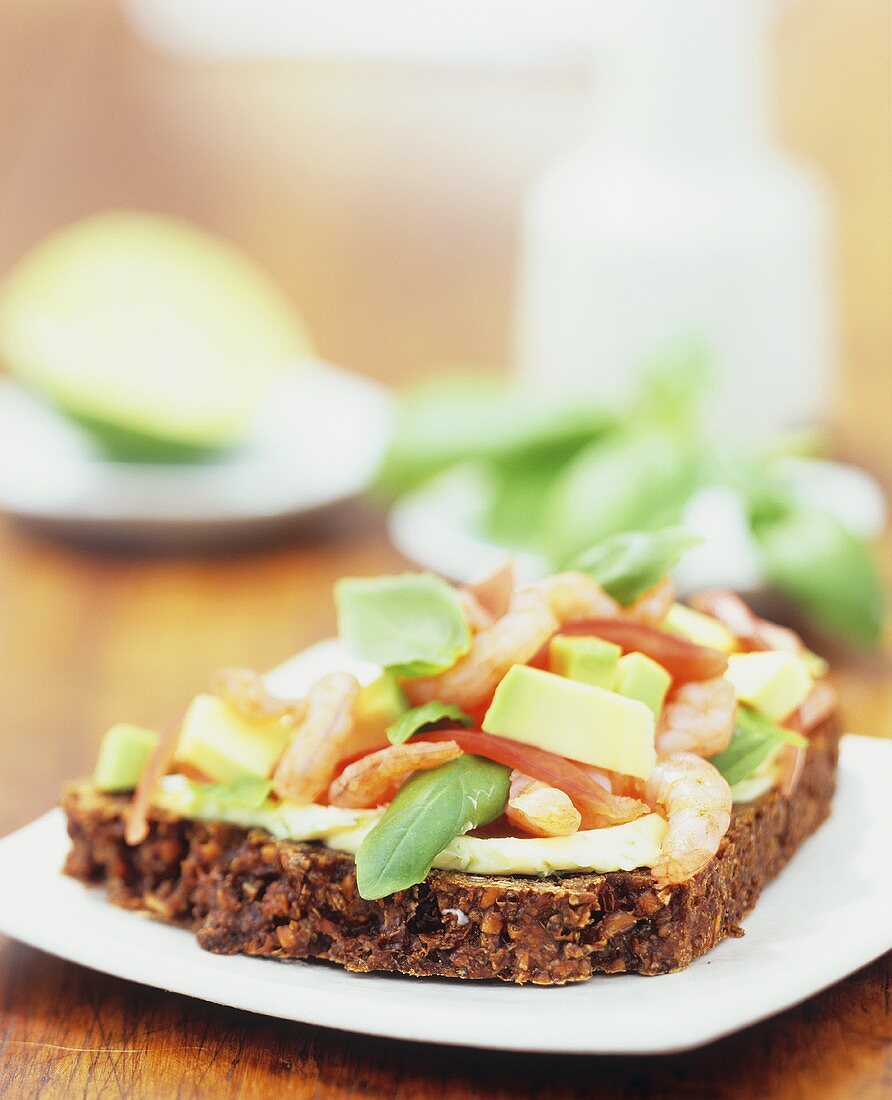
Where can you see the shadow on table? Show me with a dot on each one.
(311, 530)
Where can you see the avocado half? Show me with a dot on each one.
(158, 338)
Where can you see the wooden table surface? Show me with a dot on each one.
(86, 639)
(89, 118)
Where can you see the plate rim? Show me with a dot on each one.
(105, 518)
(255, 986)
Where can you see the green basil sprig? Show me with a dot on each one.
(429, 811)
(755, 737)
(249, 791)
(516, 494)
(428, 714)
(627, 564)
(412, 624)
(823, 567)
(641, 480)
(483, 417)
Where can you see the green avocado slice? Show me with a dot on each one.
(157, 337)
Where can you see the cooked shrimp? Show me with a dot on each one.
(601, 777)
(696, 800)
(511, 640)
(790, 766)
(816, 707)
(307, 765)
(372, 780)
(769, 635)
(574, 596)
(652, 606)
(698, 717)
(136, 821)
(623, 786)
(244, 689)
(540, 809)
(494, 592)
(476, 615)
(744, 623)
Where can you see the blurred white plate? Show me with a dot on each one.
(799, 939)
(439, 525)
(317, 442)
(464, 32)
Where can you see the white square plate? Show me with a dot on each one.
(807, 932)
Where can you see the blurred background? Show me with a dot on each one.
(561, 199)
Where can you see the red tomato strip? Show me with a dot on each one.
(597, 806)
(684, 660)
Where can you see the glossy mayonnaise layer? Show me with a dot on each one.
(616, 848)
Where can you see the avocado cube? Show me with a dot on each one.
(576, 720)
(589, 660)
(815, 665)
(225, 745)
(773, 682)
(122, 757)
(378, 706)
(639, 677)
(699, 628)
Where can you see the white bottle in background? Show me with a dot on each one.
(678, 219)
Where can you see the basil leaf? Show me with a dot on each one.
(754, 738)
(823, 567)
(481, 417)
(487, 417)
(627, 564)
(640, 481)
(426, 715)
(429, 812)
(250, 791)
(411, 624)
(671, 389)
(519, 490)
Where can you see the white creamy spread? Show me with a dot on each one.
(284, 820)
(615, 848)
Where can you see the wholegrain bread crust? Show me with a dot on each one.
(242, 891)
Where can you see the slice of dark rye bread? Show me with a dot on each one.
(242, 891)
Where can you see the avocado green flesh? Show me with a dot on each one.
(126, 444)
(158, 338)
(122, 757)
(773, 682)
(589, 660)
(699, 628)
(225, 745)
(579, 721)
(639, 677)
(378, 706)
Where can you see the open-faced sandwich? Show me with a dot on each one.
(527, 782)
